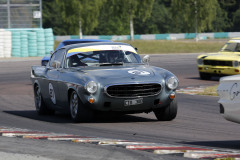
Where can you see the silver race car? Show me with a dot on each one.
(90, 78)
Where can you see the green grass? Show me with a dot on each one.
(174, 46)
(178, 46)
(210, 91)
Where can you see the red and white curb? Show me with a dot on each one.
(156, 148)
(191, 90)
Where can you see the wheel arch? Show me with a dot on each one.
(36, 83)
(70, 90)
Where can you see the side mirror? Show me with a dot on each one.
(44, 63)
(146, 59)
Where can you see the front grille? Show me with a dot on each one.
(218, 63)
(134, 90)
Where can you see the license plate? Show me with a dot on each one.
(133, 102)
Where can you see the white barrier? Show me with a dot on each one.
(7, 45)
(2, 34)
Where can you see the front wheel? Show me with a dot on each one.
(167, 113)
(79, 112)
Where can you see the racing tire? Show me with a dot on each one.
(41, 107)
(167, 113)
(79, 113)
(204, 76)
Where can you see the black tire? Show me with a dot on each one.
(167, 113)
(205, 76)
(78, 111)
(41, 108)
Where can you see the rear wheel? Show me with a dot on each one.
(79, 112)
(41, 107)
(205, 76)
(167, 113)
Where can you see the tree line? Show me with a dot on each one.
(125, 17)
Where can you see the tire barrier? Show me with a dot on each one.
(49, 40)
(32, 44)
(1, 44)
(28, 42)
(24, 44)
(5, 43)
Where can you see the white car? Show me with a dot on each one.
(229, 93)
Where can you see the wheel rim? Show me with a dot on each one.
(74, 104)
(38, 98)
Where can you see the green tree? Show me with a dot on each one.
(109, 23)
(222, 22)
(50, 20)
(160, 20)
(132, 9)
(197, 15)
(236, 21)
(84, 11)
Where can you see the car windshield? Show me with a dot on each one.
(231, 47)
(102, 58)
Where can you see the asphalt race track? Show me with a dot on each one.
(198, 123)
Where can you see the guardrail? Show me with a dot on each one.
(171, 36)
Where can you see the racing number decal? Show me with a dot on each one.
(139, 72)
(52, 93)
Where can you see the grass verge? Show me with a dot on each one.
(209, 91)
(177, 46)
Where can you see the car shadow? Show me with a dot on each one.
(233, 144)
(31, 114)
(59, 117)
(126, 118)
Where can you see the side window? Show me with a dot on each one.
(238, 47)
(57, 59)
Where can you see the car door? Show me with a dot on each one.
(52, 75)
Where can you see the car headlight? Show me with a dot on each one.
(200, 61)
(91, 87)
(172, 83)
(235, 63)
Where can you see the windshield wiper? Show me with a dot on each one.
(110, 64)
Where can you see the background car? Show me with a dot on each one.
(229, 93)
(86, 79)
(46, 58)
(225, 62)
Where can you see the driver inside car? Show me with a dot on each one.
(74, 61)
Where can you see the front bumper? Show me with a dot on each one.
(219, 70)
(105, 103)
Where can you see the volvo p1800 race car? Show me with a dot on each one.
(84, 79)
(225, 62)
(229, 94)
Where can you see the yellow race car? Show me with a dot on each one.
(224, 62)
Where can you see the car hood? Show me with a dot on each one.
(221, 56)
(123, 74)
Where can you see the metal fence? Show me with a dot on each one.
(20, 13)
